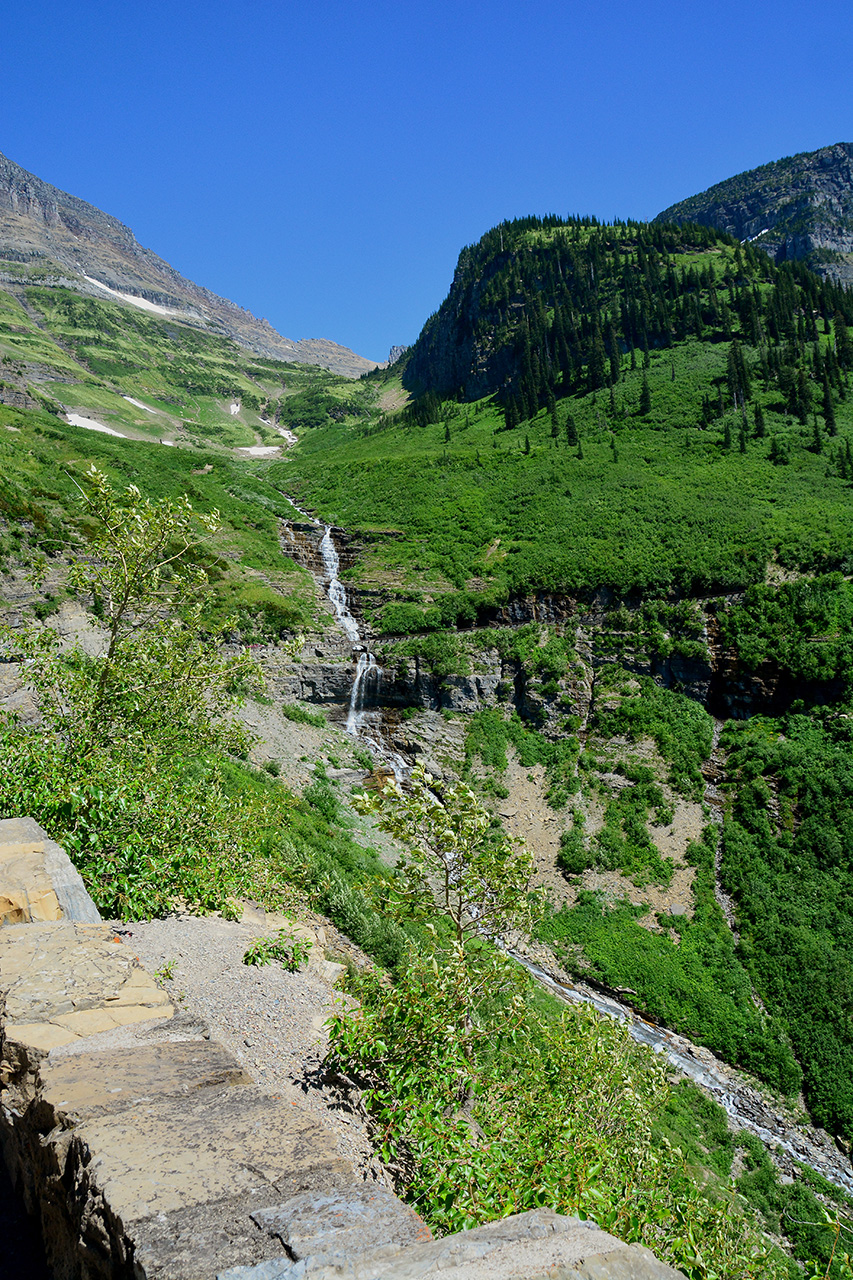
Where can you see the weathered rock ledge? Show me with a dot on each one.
(148, 1154)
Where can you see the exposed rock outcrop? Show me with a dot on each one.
(800, 207)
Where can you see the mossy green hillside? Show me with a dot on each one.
(41, 458)
(688, 475)
(88, 354)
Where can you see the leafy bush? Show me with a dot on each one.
(290, 949)
(301, 715)
(572, 1130)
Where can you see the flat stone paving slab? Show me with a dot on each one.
(88, 1085)
(218, 1144)
(66, 981)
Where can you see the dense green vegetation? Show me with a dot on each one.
(803, 629)
(573, 1130)
(675, 416)
(787, 860)
(42, 457)
(692, 981)
(668, 414)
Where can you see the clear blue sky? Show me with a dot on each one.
(323, 163)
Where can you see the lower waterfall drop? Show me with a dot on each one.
(367, 676)
(360, 722)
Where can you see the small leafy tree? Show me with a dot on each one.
(459, 861)
(465, 868)
(160, 681)
(125, 767)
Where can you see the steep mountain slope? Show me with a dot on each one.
(651, 495)
(561, 579)
(52, 238)
(800, 208)
(650, 425)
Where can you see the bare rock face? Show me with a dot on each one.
(47, 228)
(800, 207)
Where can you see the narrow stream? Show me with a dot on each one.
(740, 1100)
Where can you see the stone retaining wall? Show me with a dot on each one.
(147, 1153)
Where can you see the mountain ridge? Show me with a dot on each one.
(65, 240)
(799, 207)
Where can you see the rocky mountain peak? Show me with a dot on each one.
(799, 207)
(75, 244)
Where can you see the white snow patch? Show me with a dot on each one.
(749, 239)
(261, 451)
(142, 303)
(90, 424)
(235, 408)
(139, 404)
(171, 443)
(288, 435)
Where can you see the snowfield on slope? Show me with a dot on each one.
(139, 404)
(91, 425)
(142, 303)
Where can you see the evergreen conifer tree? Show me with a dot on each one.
(828, 407)
(843, 344)
(645, 397)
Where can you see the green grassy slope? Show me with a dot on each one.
(62, 353)
(686, 475)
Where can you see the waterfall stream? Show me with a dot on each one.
(741, 1102)
(368, 675)
(336, 590)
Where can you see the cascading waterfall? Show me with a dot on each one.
(368, 674)
(336, 590)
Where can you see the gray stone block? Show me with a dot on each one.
(38, 881)
(540, 1245)
(352, 1221)
(86, 1085)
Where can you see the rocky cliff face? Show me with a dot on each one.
(456, 350)
(799, 208)
(65, 240)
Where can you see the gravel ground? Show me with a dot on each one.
(271, 1020)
